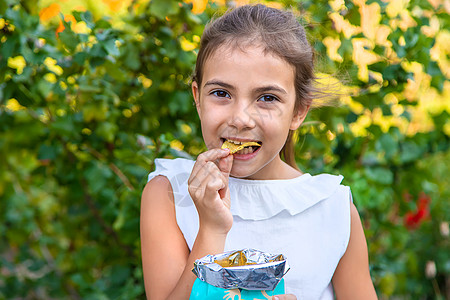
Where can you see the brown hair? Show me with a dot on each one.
(279, 33)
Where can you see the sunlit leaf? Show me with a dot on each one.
(370, 19)
(333, 45)
(394, 7)
(342, 25)
(17, 63)
(363, 57)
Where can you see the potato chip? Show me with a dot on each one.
(235, 148)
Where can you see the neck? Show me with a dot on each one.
(275, 170)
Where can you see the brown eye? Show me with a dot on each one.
(221, 94)
(268, 98)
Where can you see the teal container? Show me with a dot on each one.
(204, 291)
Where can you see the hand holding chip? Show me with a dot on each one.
(208, 187)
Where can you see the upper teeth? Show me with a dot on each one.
(236, 142)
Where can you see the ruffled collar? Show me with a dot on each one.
(263, 199)
(255, 199)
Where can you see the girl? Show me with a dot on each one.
(252, 83)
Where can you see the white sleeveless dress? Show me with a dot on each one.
(305, 218)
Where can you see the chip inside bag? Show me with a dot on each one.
(248, 274)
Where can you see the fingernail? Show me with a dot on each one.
(276, 298)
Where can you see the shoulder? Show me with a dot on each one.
(176, 171)
(157, 196)
(173, 173)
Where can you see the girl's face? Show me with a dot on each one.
(248, 96)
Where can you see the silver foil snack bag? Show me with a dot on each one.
(247, 269)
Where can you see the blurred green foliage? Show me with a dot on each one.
(84, 112)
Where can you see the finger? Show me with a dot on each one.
(207, 169)
(214, 181)
(209, 172)
(210, 155)
(213, 155)
(198, 183)
(212, 185)
(225, 164)
(195, 188)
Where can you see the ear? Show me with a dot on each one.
(196, 94)
(298, 117)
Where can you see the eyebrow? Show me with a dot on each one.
(219, 83)
(261, 89)
(269, 88)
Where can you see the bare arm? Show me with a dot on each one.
(166, 260)
(351, 279)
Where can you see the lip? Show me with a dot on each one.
(246, 156)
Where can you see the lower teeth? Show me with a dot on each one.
(245, 150)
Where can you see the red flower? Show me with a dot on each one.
(413, 219)
(424, 201)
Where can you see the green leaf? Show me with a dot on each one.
(120, 274)
(44, 87)
(132, 59)
(433, 69)
(111, 48)
(97, 175)
(46, 152)
(8, 48)
(95, 111)
(163, 8)
(80, 58)
(388, 145)
(63, 126)
(69, 38)
(380, 175)
(410, 151)
(98, 50)
(107, 131)
(3, 7)
(85, 16)
(115, 71)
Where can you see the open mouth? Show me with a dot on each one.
(240, 147)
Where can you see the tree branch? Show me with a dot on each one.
(113, 167)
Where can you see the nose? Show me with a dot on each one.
(241, 117)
